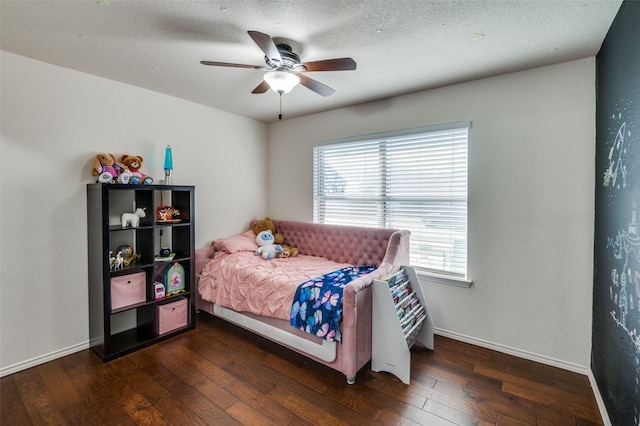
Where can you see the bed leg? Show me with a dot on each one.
(351, 380)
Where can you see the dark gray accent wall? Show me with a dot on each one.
(615, 357)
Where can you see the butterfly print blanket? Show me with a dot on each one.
(317, 303)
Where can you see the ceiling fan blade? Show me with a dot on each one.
(265, 42)
(262, 87)
(227, 64)
(340, 64)
(316, 86)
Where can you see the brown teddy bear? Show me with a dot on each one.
(267, 224)
(134, 163)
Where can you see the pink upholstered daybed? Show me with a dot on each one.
(386, 249)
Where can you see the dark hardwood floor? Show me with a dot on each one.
(220, 374)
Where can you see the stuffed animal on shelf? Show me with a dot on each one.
(134, 164)
(267, 249)
(267, 224)
(109, 169)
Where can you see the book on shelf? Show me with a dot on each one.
(415, 324)
(412, 313)
(410, 304)
(398, 288)
(168, 258)
(408, 326)
(401, 294)
(405, 300)
(394, 282)
(396, 277)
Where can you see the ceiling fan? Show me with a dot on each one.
(284, 69)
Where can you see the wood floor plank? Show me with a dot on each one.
(293, 367)
(536, 371)
(441, 372)
(247, 415)
(448, 413)
(177, 413)
(219, 374)
(58, 384)
(390, 418)
(355, 399)
(456, 396)
(523, 409)
(197, 403)
(184, 369)
(12, 408)
(151, 390)
(139, 408)
(170, 408)
(324, 400)
(419, 416)
(96, 397)
(242, 390)
(391, 387)
(309, 410)
(504, 420)
(68, 400)
(583, 403)
(39, 404)
(556, 399)
(206, 363)
(299, 422)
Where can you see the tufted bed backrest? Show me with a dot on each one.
(349, 244)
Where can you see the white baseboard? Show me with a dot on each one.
(537, 358)
(5, 371)
(599, 400)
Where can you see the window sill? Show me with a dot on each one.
(443, 279)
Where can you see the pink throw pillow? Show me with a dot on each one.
(241, 242)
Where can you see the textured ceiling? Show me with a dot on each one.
(400, 46)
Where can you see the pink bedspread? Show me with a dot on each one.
(247, 283)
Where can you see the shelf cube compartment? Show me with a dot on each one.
(171, 316)
(128, 290)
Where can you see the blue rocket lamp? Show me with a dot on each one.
(168, 166)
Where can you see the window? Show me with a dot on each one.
(415, 180)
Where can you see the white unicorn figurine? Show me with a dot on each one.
(119, 261)
(133, 219)
(112, 261)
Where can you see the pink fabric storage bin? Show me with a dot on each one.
(127, 290)
(171, 316)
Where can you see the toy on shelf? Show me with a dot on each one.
(168, 214)
(128, 255)
(112, 261)
(119, 262)
(164, 255)
(134, 164)
(158, 290)
(133, 219)
(109, 170)
(174, 279)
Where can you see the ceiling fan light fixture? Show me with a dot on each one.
(281, 81)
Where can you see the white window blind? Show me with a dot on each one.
(415, 180)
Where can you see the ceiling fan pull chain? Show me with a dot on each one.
(280, 115)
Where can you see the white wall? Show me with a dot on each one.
(53, 122)
(531, 208)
